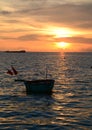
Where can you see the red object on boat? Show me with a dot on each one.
(9, 72)
(14, 70)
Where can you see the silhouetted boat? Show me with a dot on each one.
(38, 86)
(21, 51)
(35, 86)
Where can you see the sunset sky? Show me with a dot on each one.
(46, 25)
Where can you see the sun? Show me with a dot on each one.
(59, 32)
(62, 45)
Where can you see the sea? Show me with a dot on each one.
(68, 107)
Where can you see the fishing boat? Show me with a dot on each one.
(35, 86)
(38, 86)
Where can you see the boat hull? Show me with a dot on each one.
(39, 86)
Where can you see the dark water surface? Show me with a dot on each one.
(68, 108)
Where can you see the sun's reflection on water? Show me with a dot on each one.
(69, 106)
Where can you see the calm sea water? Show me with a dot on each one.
(68, 108)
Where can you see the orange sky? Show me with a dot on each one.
(39, 25)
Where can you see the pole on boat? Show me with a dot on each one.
(46, 73)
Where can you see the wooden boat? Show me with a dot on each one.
(38, 86)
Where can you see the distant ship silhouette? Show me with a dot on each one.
(21, 51)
